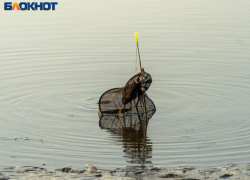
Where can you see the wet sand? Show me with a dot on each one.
(232, 171)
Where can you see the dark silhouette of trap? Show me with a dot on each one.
(122, 109)
(126, 111)
(121, 113)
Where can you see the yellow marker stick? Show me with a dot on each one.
(136, 36)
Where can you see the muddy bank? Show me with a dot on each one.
(232, 171)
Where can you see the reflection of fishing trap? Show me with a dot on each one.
(128, 107)
(137, 148)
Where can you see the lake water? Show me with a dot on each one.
(55, 65)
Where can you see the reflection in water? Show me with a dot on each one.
(123, 113)
(136, 144)
(137, 147)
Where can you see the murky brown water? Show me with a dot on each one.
(55, 66)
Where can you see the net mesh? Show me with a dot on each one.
(122, 113)
(122, 109)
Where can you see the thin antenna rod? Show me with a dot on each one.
(137, 45)
(143, 94)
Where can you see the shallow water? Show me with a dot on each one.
(55, 66)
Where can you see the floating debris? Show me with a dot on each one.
(67, 170)
(155, 169)
(225, 175)
(15, 139)
(91, 168)
(170, 175)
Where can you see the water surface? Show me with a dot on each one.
(55, 66)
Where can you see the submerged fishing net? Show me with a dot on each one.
(122, 108)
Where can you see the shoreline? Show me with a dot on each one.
(232, 171)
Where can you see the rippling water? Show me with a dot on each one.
(55, 66)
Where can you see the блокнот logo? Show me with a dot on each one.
(26, 6)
